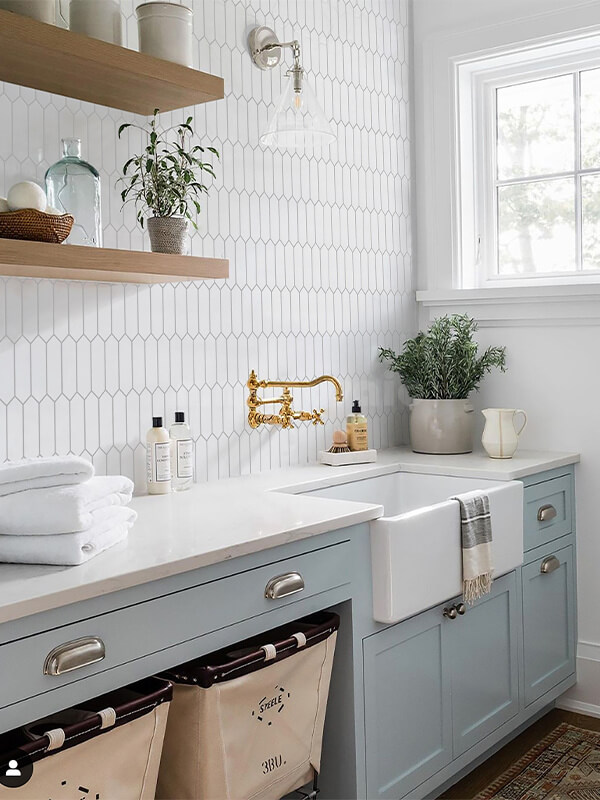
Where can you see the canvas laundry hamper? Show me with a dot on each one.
(108, 748)
(247, 722)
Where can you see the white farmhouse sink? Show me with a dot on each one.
(416, 546)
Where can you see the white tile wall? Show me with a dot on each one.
(319, 247)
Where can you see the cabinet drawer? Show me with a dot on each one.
(154, 625)
(548, 621)
(547, 509)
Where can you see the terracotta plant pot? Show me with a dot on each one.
(441, 427)
(168, 234)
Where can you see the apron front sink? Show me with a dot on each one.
(416, 550)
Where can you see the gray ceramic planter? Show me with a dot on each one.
(441, 427)
(168, 234)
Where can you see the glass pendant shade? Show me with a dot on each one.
(298, 120)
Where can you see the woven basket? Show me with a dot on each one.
(35, 226)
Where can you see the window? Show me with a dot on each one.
(528, 167)
(547, 175)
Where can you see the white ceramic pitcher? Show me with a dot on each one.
(500, 436)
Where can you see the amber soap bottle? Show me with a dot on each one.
(357, 429)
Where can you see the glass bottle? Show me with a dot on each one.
(73, 187)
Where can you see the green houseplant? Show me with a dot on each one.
(166, 182)
(440, 368)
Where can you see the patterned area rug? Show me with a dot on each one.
(565, 765)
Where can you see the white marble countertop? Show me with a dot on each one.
(220, 520)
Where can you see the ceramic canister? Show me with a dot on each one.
(441, 427)
(42, 10)
(165, 31)
(100, 19)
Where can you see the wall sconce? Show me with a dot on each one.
(298, 119)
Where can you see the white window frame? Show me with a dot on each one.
(475, 159)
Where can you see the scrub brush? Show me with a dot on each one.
(339, 443)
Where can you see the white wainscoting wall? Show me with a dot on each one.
(552, 336)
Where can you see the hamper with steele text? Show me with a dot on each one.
(107, 748)
(247, 722)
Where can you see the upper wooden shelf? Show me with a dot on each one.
(73, 262)
(55, 60)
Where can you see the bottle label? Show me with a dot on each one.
(161, 466)
(185, 458)
(358, 437)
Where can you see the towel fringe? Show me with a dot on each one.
(475, 588)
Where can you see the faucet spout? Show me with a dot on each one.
(339, 395)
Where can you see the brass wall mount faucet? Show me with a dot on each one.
(286, 415)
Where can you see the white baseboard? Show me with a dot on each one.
(584, 697)
(589, 650)
(578, 706)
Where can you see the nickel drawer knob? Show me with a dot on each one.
(461, 608)
(74, 655)
(546, 513)
(284, 585)
(450, 613)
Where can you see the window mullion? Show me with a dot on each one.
(578, 179)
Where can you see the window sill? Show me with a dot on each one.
(564, 304)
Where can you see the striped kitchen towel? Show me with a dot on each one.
(476, 533)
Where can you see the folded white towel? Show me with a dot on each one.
(67, 549)
(63, 509)
(36, 473)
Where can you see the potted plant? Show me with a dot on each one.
(166, 182)
(440, 368)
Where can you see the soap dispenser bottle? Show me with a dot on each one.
(182, 454)
(357, 429)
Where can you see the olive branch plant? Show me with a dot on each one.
(444, 363)
(167, 178)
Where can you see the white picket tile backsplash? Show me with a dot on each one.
(319, 249)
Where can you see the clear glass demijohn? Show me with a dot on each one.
(73, 187)
(298, 120)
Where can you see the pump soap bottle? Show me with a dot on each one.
(182, 454)
(357, 429)
(158, 458)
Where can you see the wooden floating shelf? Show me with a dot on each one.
(55, 60)
(73, 262)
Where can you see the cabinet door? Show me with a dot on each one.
(485, 668)
(407, 705)
(548, 621)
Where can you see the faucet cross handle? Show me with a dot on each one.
(317, 416)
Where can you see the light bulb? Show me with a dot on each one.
(297, 101)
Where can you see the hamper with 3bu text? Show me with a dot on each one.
(247, 721)
(104, 749)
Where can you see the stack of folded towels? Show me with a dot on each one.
(54, 511)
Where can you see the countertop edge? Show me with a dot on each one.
(69, 595)
(294, 481)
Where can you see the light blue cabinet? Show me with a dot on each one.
(485, 664)
(408, 727)
(411, 704)
(440, 691)
(548, 510)
(548, 620)
(436, 686)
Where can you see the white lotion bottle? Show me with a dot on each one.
(182, 454)
(158, 458)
